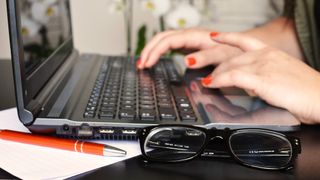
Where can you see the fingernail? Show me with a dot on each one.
(138, 63)
(214, 34)
(206, 81)
(191, 61)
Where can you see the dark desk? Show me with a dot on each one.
(307, 166)
(7, 97)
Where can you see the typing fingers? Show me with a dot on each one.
(189, 39)
(243, 77)
(244, 42)
(214, 55)
(153, 42)
(242, 60)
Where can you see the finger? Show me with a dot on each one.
(155, 40)
(186, 39)
(241, 60)
(242, 41)
(219, 82)
(243, 77)
(214, 55)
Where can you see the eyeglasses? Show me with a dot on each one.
(258, 148)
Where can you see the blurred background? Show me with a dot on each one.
(100, 26)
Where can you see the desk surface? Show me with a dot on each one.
(6, 80)
(307, 166)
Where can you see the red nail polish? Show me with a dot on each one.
(206, 81)
(138, 62)
(214, 34)
(191, 61)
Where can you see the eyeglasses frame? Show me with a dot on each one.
(225, 135)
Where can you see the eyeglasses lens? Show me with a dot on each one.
(174, 143)
(262, 150)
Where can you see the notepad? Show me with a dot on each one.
(35, 162)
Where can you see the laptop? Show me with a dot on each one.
(62, 92)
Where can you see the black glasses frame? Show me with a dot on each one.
(224, 135)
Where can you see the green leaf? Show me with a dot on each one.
(142, 40)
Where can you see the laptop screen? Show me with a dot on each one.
(45, 25)
(41, 41)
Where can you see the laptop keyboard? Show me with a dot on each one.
(122, 92)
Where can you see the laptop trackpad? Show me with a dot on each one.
(233, 108)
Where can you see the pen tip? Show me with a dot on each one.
(113, 151)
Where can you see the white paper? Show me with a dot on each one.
(9, 120)
(34, 162)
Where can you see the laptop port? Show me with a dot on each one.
(85, 130)
(129, 131)
(64, 130)
(106, 131)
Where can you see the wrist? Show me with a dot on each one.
(281, 34)
(311, 113)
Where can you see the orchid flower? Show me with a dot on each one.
(42, 11)
(29, 27)
(157, 7)
(184, 16)
(117, 6)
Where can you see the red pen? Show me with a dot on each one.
(64, 144)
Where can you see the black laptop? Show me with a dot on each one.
(60, 91)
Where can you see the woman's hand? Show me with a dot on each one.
(271, 74)
(279, 33)
(208, 52)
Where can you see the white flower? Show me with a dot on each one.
(157, 7)
(117, 6)
(29, 27)
(42, 12)
(184, 16)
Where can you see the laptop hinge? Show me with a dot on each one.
(35, 108)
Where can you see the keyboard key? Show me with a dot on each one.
(108, 108)
(142, 106)
(184, 105)
(127, 115)
(91, 108)
(111, 95)
(145, 93)
(108, 103)
(110, 99)
(89, 114)
(146, 98)
(144, 102)
(162, 95)
(182, 100)
(128, 98)
(167, 114)
(147, 115)
(127, 93)
(106, 114)
(92, 103)
(188, 117)
(186, 110)
(164, 100)
(128, 107)
(165, 105)
(128, 102)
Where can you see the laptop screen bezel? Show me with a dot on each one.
(27, 87)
